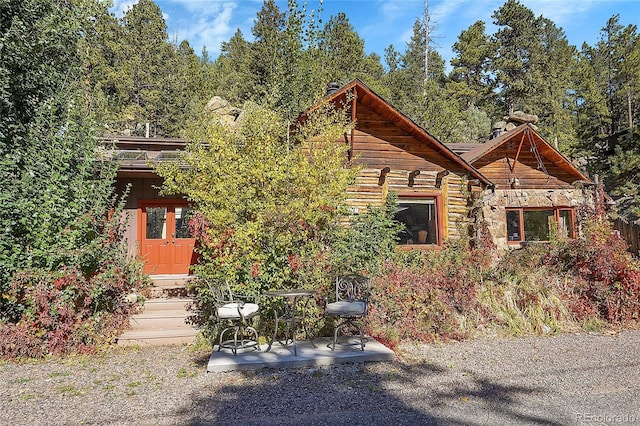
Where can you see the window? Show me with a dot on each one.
(420, 219)
(537, 224)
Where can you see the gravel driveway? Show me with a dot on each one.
(560, 380)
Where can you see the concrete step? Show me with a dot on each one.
(166, 304)
(160, 322)
(169, 285)
(157, 337)
(170, 281)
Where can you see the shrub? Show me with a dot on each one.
(426, 295)
(605, 277)
(64, 268)
(66, 312)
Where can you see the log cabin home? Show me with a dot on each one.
(431, 181)
(536, 193)
(521, 184)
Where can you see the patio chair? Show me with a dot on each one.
(235, 310)
(349, 306)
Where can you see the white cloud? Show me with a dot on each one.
(201, 22)
(121, 6)
(211, 28)
(201, 8)
(560, 12)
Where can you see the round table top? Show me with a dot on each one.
(290, 293)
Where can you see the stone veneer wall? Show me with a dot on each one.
(495, 203)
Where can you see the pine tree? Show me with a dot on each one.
(233, 79)
(470, 73)
(607, 94)
(341, 50)
(424, 101)
(144, 55)
(513, 64)
(533, 64)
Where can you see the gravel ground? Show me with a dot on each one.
(559, 380)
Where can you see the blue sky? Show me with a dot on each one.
(384, 22)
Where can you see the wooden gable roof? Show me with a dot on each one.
(521, 157)
(385, 137)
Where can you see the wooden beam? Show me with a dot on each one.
(441, 174)
(354, 102)
(412, 177)
(383, 175)
(515, 161)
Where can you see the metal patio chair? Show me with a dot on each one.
(236, 311)
(350, 305)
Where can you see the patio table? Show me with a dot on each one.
(291, 315)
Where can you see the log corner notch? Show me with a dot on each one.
(439, 176)
(383, 175)
(412, 177)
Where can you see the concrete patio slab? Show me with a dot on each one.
(282, 356)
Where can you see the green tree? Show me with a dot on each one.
(37, 45)
(143, 72)
(513, 63)
(470, 77)
(622, 177)
(291, 60)
(99, 53)
(532, 64)
(265, 195)
(615, 63)
(606, 105)
(233, 78)
(427, 102)
(64, 272)
(552, 98)
(187, 88)
(342, 52)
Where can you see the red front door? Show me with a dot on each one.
(165, 242)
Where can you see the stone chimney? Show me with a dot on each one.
(512, 121)
(332, 87)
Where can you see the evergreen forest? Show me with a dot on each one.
(131, 74)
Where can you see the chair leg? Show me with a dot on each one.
(221, 342)
(346, 323)
(335, 333)
(257, 340)
(240, 340)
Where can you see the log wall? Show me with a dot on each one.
(371, 190)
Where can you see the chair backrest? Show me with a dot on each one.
(353, 288)
(220, 293)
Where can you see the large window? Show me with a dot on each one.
(537, 224)
(420, 219)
